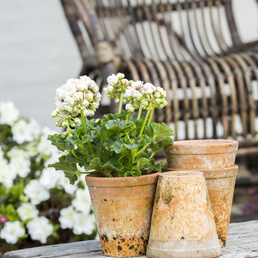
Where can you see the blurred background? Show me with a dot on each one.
(38, 52)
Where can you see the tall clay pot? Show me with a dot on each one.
(123, 207)
(215, 158)
(201, 154)
(182, 222)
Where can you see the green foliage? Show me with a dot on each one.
(112, 147)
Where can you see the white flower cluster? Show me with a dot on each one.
(116, 85)
(74, 96)
(16, 164)
(136, 93)
(145, 95)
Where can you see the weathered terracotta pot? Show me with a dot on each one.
(201, 154)
(182, 221)
(221, 185)
(123, 209)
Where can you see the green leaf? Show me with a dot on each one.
(134, 173)
(70, 169)
(117, 146)
(155, 147)
(159, 132)
(60, 142)
(118, 125)
(141, 163)
(154, 167)
(87, 138)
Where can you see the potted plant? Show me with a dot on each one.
(117, 151)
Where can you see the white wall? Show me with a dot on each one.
(38, 53)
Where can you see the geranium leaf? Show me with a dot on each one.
(70, 169)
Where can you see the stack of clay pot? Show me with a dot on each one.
(216, 159)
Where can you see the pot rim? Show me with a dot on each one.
(181, 173)
(211, 173)
(117, 182)
(203, 147)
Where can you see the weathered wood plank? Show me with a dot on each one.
(242, 243)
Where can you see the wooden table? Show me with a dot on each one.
(242, 243)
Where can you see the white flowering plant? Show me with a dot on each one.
(38, 205)
(116, 145)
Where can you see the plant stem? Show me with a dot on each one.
(83, 122)
(121, 102)
(151, 115)
(145, 120)
(85, 129)
(139, 112)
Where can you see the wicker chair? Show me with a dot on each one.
(192, 49)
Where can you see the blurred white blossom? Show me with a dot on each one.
(84, 224)
(36, 192)
(44, 146)
(67, 217)
(25, 131)
(50, 177)
(27, 211)
(12, 231)
(40, 229)
(82, 201)
(8, 113)
(20, 165)
(68, 188)
(7, 175)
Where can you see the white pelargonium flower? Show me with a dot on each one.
(12, 231)
(74, 97)
(36, 192)
(27, 211)
(8, 113)
(116, 85)
(40, 229)
(82, 201)
(67, 217)
(129, 107)
(83, 224)
(50, 177)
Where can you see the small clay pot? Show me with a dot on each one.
(123, 207)
(201, 154)
(221, 185)
(182, 222)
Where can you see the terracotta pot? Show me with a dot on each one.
(221, 185)
(182, 222)
(123, 209)
(201, 154)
